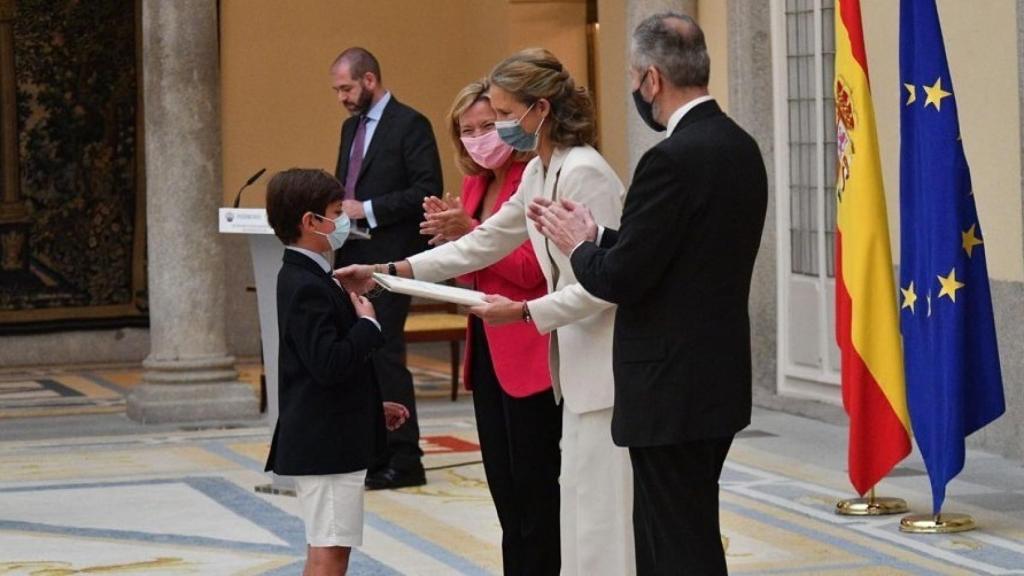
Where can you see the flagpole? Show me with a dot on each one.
(867, 314)
(951, 354)
(871, 506)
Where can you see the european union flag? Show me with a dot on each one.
(954, 385)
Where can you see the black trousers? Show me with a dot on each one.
(403, 450)
(675, 508)
(519, 443)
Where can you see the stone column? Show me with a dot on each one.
(188, 373)
(751, 105)
(14, 221)
(640, 137)
(1006, 435)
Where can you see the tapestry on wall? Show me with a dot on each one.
(72, 244)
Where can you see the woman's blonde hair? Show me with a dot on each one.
(473, 92)
(535, 73)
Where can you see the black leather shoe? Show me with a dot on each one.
(388, 478)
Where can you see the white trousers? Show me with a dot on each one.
(597, 498)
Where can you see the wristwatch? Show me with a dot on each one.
(526, 313)
(392, 269)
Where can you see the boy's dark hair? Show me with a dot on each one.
(291, 193)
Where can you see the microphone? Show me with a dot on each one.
(248, 183)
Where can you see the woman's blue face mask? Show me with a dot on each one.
(512, 133)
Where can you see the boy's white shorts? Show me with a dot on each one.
(332, 508)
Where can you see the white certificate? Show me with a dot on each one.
(429, 290)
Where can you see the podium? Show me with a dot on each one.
(266, 251)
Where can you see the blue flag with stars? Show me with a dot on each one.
(954, 385)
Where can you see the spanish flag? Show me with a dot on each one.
(867, 320)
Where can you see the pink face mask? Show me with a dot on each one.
(488, 150)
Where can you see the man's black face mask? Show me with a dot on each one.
(644, 108)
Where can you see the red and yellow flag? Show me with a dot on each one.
(867, 322)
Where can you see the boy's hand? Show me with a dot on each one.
(395, 415)
(363, 306)
(356, 278)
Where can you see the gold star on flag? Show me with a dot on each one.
(935, 94)
(913, 93)
(969, 240)
(950, 285)
(909, 297)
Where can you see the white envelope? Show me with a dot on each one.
(429, 290)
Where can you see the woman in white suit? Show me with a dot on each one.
(540, 108)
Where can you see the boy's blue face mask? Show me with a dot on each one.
(513, 134)
(342, 227)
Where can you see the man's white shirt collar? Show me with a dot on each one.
(377, 109)
(676, 116)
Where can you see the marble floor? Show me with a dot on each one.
(89, 492)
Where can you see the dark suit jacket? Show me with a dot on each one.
(401, 168)
(679, 268)
(331, 418)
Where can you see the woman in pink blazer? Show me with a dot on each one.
(517, 417)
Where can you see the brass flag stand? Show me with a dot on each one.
(872, 506)
(936, 524)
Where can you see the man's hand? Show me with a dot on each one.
(444, 221)
(356, 278)
(565, 223)
(499, 310)
(395, 415)
(354, 209)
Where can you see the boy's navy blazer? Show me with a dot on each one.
(331, 418)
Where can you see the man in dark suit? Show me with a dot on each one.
(679, 269)
(388, 163)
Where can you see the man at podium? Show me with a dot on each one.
(388, 162)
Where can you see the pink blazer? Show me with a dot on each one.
(519, 353)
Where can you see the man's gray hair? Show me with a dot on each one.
(674, 44)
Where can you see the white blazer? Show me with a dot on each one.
(581, 345)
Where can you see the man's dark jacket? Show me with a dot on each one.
(401, 168)
(679, 267)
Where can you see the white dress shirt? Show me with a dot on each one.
(372, 120)
(676, 116)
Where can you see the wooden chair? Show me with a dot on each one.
(434, 322)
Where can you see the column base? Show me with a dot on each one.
(191, 389)
(164, 403)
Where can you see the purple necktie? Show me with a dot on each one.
(355, 159)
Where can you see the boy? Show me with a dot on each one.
(330, 420)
